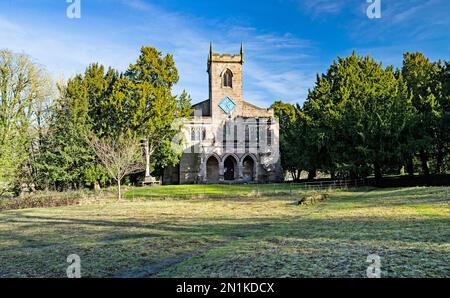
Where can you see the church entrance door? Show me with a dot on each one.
(248, 166)
(212, 170)
(229, 168)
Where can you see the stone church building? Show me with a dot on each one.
(227, 139)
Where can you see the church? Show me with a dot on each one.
(227, 139)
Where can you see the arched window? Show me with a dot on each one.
(269, 133)
(198, 134)
(228, 79)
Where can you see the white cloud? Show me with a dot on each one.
(278, 66)
(6, 26)
(62, 54)
(406, 22)
(138, 4)
(290, 86)
(323, 7)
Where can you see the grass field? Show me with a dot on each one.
(234, 231)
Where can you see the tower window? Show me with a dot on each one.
(228, 79)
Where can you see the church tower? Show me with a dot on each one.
(225, 84)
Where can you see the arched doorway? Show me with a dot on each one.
(212, 170)
(230, 166)
(248, 166)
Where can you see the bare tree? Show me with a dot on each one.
(121, 156)
(25, 90)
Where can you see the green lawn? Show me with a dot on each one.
(234, 231)
(215, 191)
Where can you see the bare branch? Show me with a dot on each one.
(121, 156)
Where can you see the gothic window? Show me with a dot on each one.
(247, 137)
(257, 133)
(235, 137)
(269, 133)
(192, 134)
(198, 134)
(224, 141)
(228, 79)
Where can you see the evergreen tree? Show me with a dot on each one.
(442, 118)
(285, 114)
(66, 160)
(154, 107)
(358, 111)
(420, 75)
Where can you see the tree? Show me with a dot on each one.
(121, 156)
(25, 90)
(110, 104)
(65, 159)
(104, 119)
(357, 113)
(285, 113)
(154, 108)
(420, 75)
(442, 117)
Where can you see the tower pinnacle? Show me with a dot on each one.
(242, 52)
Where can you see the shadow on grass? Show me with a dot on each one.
(314, 242)
(406, 230)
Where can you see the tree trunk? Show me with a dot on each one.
(439, 161)
(119, 191)
(294, 175)
(378, 175)
(147, 158)
(333, 175)
(424, 161)
(312, 173)
(410, 166)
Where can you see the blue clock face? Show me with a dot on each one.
(227, 105)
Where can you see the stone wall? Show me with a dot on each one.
(171, 175)
(189, 168)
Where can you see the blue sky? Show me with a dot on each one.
(287, 42)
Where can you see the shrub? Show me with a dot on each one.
(51, 199)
